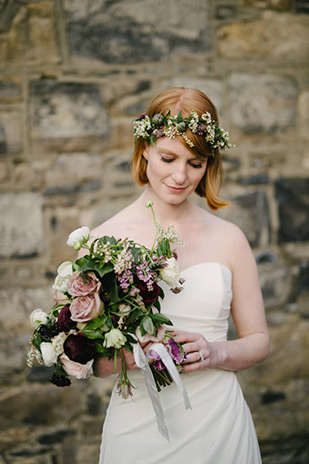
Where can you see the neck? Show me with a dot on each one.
(166, 213)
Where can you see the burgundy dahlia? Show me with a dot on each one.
(64, 320)
(60, 380)
(79, 348)
(47, 332)
(148, 296)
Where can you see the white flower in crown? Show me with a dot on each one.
(141, 126)
(170, 126)
(206, 117)
(210, 136)
(193, 124)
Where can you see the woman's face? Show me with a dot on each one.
(172, 170)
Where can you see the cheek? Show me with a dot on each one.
(156, 168)
(198, 176)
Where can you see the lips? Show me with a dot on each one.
(176, 189)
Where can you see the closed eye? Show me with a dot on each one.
(197, 166)
(193, 164)
(167, 160)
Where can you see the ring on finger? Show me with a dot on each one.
(202, 357)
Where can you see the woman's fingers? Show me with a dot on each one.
(197, 349)
(192, 357)
(183, 337)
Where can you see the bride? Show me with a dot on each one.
(177, 153)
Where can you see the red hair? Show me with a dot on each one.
(186, 100)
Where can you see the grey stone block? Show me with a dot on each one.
(292, 195)
(10, 132)
(136, 31)
(62, 110)
(21, 225)
(263, 103)
(251, 213)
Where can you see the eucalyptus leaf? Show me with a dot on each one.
(148, 325)
(157, 305)
(161, 318)
(92, 335)
(96, 323)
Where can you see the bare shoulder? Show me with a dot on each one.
(227, 240)
(230, 233)
(236, 247)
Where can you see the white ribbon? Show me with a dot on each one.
(141, 361)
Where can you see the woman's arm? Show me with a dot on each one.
(248, 313)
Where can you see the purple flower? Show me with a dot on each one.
(177, 353)
(202, 129)
(159, 365)
(125, 280)
(154, 355)
(158, 133)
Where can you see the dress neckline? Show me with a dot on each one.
(203, 263)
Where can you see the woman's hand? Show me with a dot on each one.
(201, 354)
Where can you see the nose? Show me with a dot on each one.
(180, 174)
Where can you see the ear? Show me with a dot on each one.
(145, 154)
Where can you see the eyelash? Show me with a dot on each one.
(170, 160)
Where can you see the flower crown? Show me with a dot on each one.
(165, 125)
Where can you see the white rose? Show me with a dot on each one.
(65, 271)
(78, 237)
(37, 317)
(114, 338)
(171, 273)
(49, 354)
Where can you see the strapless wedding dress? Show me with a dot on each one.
(219, 428)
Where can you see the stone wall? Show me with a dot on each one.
(73, 75)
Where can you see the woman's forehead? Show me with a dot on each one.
(174, 147)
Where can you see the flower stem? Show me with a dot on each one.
(150, 205)
(115, 360)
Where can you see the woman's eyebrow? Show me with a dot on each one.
(169, 152)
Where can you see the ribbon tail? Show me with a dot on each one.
(168, 362)
(142, 362)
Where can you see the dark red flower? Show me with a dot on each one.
(148, 296)
(60, 380)
(79, 348)
(64, 320)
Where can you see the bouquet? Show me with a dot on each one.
(106, 301)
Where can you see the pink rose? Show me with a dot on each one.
(80, 371)
(150, 338)
(78, 287)
(86, 308)
(60, 298)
